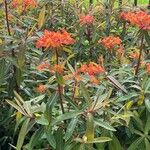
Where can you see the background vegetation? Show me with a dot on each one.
(74, 75)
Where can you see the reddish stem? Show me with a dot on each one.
(9, 33)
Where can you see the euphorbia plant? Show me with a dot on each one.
(70, 102)
(142, 21)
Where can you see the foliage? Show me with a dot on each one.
(74, 76)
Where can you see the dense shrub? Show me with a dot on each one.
(74, 76)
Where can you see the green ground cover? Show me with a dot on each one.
(131, 1)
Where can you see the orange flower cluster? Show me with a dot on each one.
(54, 69)
(110, 42)
(57, 69)
(88, 19)
(134, 55)
(41, 88)
(148, 68)
(91, 69)
(24, 3)
(55, 39)
(140, 19)
(43, 66)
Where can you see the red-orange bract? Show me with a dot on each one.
(134, 55)
(57, 68)
(88, 19)
(24, 3)
(41, 88)
(55, 39)
(141, 19)
(43, 66)
(110, 42)
(91, 69)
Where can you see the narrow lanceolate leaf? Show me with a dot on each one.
(19, 97)
(70, 128)
(16, 107)
(41, 17)
(51, 139)
(35, 138)
(86, 95)
(66, 116)
(147, 125)
(114, 144)
(89, 127)
(147, 104)
(147, 144)
(59, 139)
(147, 37)
(116, 83)
(22, 134)
(135, 144)
(104, 125)
(100, 140)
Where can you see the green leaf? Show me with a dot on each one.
(115, 144)
(19, 76)
(42, 120)
(19, 97)
(22, 134)
(147, 86)
(70, 67)
(41, 17)
(147, 125)
(16, 107)
(49, 106)
(70, 128)
(147, 144)
(66, 116)
(147, 37)
(127, 97)
(104, 124)
(37, 99)
(147, 104)
(100, 140)
(21, 56)
(2, 71)
(135, 144)
(117, 84)
(89, 127)
(86, 95)
(59, 139)
(13, 61)
(50, 138)
(35, 138)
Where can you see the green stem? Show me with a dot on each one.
(90, 129)
(59, 86)
(140, 55)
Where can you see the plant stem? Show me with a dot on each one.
(90, 2)
(88, 34)
(12, 52)
(59, 87)
(140, 55)
(7, 21)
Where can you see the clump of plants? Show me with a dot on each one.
(74, 76)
